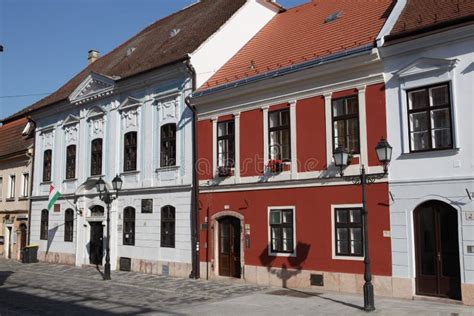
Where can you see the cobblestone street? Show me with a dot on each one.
(58, 290)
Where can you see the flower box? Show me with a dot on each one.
(275, 166)
(224, 172)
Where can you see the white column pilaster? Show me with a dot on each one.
(329, 137)
(237, 147)
(265, 136)
(294, 156)
(362, 126)
(214, 146)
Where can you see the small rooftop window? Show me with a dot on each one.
(332, 17)
(130, 50)
(174, 32)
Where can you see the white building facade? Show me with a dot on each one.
(140, 128)
(429, 91)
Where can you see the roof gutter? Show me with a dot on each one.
(362, 50)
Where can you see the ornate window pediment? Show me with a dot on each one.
(96, 120)
(70, 120)
(427, 65)
(94, 86)
(71, 128)
(129, 112)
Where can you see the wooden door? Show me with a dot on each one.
(96, 245)
(437, 251)
(229, 247)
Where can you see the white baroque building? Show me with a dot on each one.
(126, 115)
(429, 90)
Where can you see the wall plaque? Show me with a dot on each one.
(147, 206)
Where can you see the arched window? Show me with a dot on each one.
(71, 162)
(44, 225)
(47, 158)
(129, 226)
(168, 216)
(130, 152)
(168, 145)
(69, 225)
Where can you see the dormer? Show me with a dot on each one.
(94, 86)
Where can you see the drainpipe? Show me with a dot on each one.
(195, 274)
(32, 179)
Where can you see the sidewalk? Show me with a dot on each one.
(39, 289)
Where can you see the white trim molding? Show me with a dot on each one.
(280, 254)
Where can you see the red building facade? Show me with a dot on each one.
(273, 209)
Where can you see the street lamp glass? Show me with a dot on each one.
(384, 151)
(100, 185)
(117, 183)
(341, 157)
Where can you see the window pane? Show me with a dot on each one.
(338, 107)
(420, 141)
(419, 122)
(275, 217)
(353, 135)
(352, 105)
(356, 234)
(356, 248)
(342, 234)
(440, 118)
(442, 138)
(274, 119)
(285, 144)
(285, 117)
(342, 216)
(287, 217)
(418, 99)
(356, 216)
(342, 247)
(221, 129)
(439, 96)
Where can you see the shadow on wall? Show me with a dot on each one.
(290, 268)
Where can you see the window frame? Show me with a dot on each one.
(230, 155)
(47, 165)
(170, 221)
(271, 251)
(25, 185)
(168, 151)
(130, 163)
(129, 221)
(11, 187)
(71, 162)
(335, 254)
(1, 188)
(345, 118)
(97, 156)
(44, 224)
(279, 129)
(428, 110)
(69, 225)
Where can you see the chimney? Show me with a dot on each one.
(93, 56)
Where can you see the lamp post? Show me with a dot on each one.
(384, 155)
(108, 197)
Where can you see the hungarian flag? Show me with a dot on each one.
(53, 197)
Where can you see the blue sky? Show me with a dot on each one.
(46, 42)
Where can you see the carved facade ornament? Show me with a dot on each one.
(96, 126)
(71, 132)
(169, 108)
(48, 137)
(130, 118)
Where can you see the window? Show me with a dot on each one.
(11, 188)
(345, 120)
(349, 232)
(225, 144)
(97, 211)
(168, 214)
(429, 114)
(1, 188)
(25, 190)
(71, 162)
(168, 145)
(279, 135)
(44, 225)
(69, 225)
(129, 226)
(47, 157)
(130, 152)
(96, 157)
(281, 231)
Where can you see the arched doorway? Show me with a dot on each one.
(437, 250)
(229, 247)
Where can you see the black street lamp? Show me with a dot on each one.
(107, 197)
(384, 155)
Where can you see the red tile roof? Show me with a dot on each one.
(11, 139)
(153, 46)
(301, 34)
(421, 16)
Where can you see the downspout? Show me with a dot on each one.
(195, 274)
(32, 179)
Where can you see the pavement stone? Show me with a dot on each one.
(51, 289)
